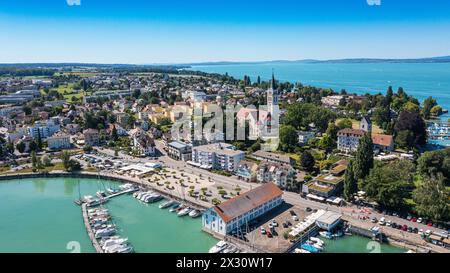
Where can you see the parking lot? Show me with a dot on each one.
(273, 240)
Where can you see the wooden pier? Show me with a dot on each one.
(89, 230)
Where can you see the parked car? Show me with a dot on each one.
(292, 213)
(308, 209)
(430, 224)
(410, 229)
(269, 234)
(285, 225)
(394, 225)
(374, 219)
(414, 219)
(382, 221)
(389, 223)
(419, 220)
(274, 223)
(263, 230)
(416, 230)
(295, 218)
(404, 227)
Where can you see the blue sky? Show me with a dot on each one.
(175, 31)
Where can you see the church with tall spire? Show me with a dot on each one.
(272, 95)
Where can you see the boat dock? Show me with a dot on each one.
(89, 230)
(119, 193)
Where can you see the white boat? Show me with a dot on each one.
(100, 194)
(299, 250)
(152, 198)
(166, 204)
(108, 231)
(184, 211)
(111, 242)
(326, 234)
(119, 248)
(221, 245)
(318, 246)
(317, 241)
(195, 213)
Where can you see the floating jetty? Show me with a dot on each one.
(89, 230)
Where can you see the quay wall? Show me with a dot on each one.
(90, 175)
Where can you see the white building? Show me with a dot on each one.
(44, 128)
(232, 214)
(58, 141)
(219, 156)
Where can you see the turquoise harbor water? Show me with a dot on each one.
(38, 215)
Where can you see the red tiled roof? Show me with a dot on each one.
(247, 201)
(355, 132)
(382, 140)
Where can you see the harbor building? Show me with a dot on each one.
(232, 214)
(329, 220)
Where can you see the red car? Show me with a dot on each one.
(404, 227)
(269, 234)
(414, 219)
(430, 224)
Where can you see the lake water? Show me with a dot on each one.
(38, 215)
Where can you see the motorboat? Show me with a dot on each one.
(299, 250)
(101, 194)
(317, 241)
(220, 246)
(309, 248)
(175, 207)
(184, 211)
(112, 191)
(195, 213)
(119, 248)
(166, 204)
(108, 231)
(326, 234)
(111, 242)
(154, 197)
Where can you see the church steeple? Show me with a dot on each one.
(273, 82)
(272, 95)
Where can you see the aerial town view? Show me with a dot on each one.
(144, 127)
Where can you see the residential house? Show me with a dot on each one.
(282, 175)
(217, 156)
(272, 157)
(91, 137)
(247, 171)
(59, 141)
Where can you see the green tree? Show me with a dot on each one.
(34, 162)
(20, 147)
(350, 182)
(327, 143)
(428, 104)
(431, 198)
(307, 161)
(410, 130)
(288, 138)
(364, 157)
(114, 135)
(389, 184)
(433, 163)
(345, 123)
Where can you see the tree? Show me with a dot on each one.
(69, 165)
(46, 161)
(34, 161)
(436, 110)
(307, 161)
(364, 157)
(288, 138)
(114, 135)
(415, 127)
(39, 139)
(431, 198)
(428, 104)
(389, 184)
(350, 182)
(20, 147)
(345, 123)
(433, 163)
(327, 143)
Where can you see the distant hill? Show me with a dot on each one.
(444, 59)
